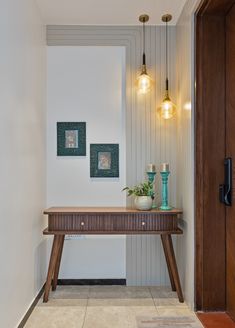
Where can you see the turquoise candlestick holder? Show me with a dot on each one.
(151, 178)
(165, 206)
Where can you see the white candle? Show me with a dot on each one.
(151, 168)
(165, 167)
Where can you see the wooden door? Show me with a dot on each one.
(230, 152)
(214, 141)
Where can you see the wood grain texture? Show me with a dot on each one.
(199, 202)
(216, 7)
(52, 264)
(111, 220)
(124, 210)
(57, 265)
(122, 222)
(172, 266)
(168, 262)
(178, 231)
(230, 152)
(107, 222)
(210, 154)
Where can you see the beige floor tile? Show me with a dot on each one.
(105, 307)
(173, 311)
(168, 302)
(164, 296)
(118, 292)
(57, 317)
(162, 292)
(56, 302)
(116, 316)
(120, 302)
(70, 292)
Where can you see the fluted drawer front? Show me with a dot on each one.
(73, 222)
(112, 222)
(140, 222)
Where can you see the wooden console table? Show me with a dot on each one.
(110, 221)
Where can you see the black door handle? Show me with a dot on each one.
(225, 190)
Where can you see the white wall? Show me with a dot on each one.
(22, 164)
(185, 147)
(87, 84)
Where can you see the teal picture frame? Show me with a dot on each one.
(104, 160)
(71, 138)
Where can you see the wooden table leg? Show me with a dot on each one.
(168, 264)
(173, 272)
(51, 268)
(57, 266)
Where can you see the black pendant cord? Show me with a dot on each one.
(144, 57)
(143, 19)
(167, 81)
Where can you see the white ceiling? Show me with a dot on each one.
(108, 12)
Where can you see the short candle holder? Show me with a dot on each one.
(151, 178)
(165, 206)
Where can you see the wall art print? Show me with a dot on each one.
(71, 139)
(104, 160)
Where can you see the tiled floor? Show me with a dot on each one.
(110, 307)
(216, 320)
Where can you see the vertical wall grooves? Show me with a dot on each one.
(149, 139)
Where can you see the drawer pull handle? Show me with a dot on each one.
(82, 223)
(143, 223)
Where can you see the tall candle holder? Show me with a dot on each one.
(151, 178)
(165, 175)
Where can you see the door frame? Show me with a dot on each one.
(210, 106)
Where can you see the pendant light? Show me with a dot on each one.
(167, 108)
(144, 80)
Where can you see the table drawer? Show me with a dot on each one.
(73, 222)
(112, 222)
(146, 222)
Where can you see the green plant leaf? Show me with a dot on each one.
(143, 189)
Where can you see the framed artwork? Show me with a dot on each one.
(104, 160)
(71, 139)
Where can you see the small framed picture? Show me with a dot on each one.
(104, 160)
(71, 139)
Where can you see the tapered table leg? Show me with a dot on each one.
(57, 265)
(51, 268)
(172, 266)
(168, 264)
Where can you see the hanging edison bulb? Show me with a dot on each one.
(144, 81)
(167, 109)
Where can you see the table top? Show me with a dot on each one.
(110, 210)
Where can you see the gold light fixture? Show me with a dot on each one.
(144, 81)
(167, 108)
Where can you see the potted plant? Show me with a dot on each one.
(143, 195)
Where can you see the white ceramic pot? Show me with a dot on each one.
(143, 203)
